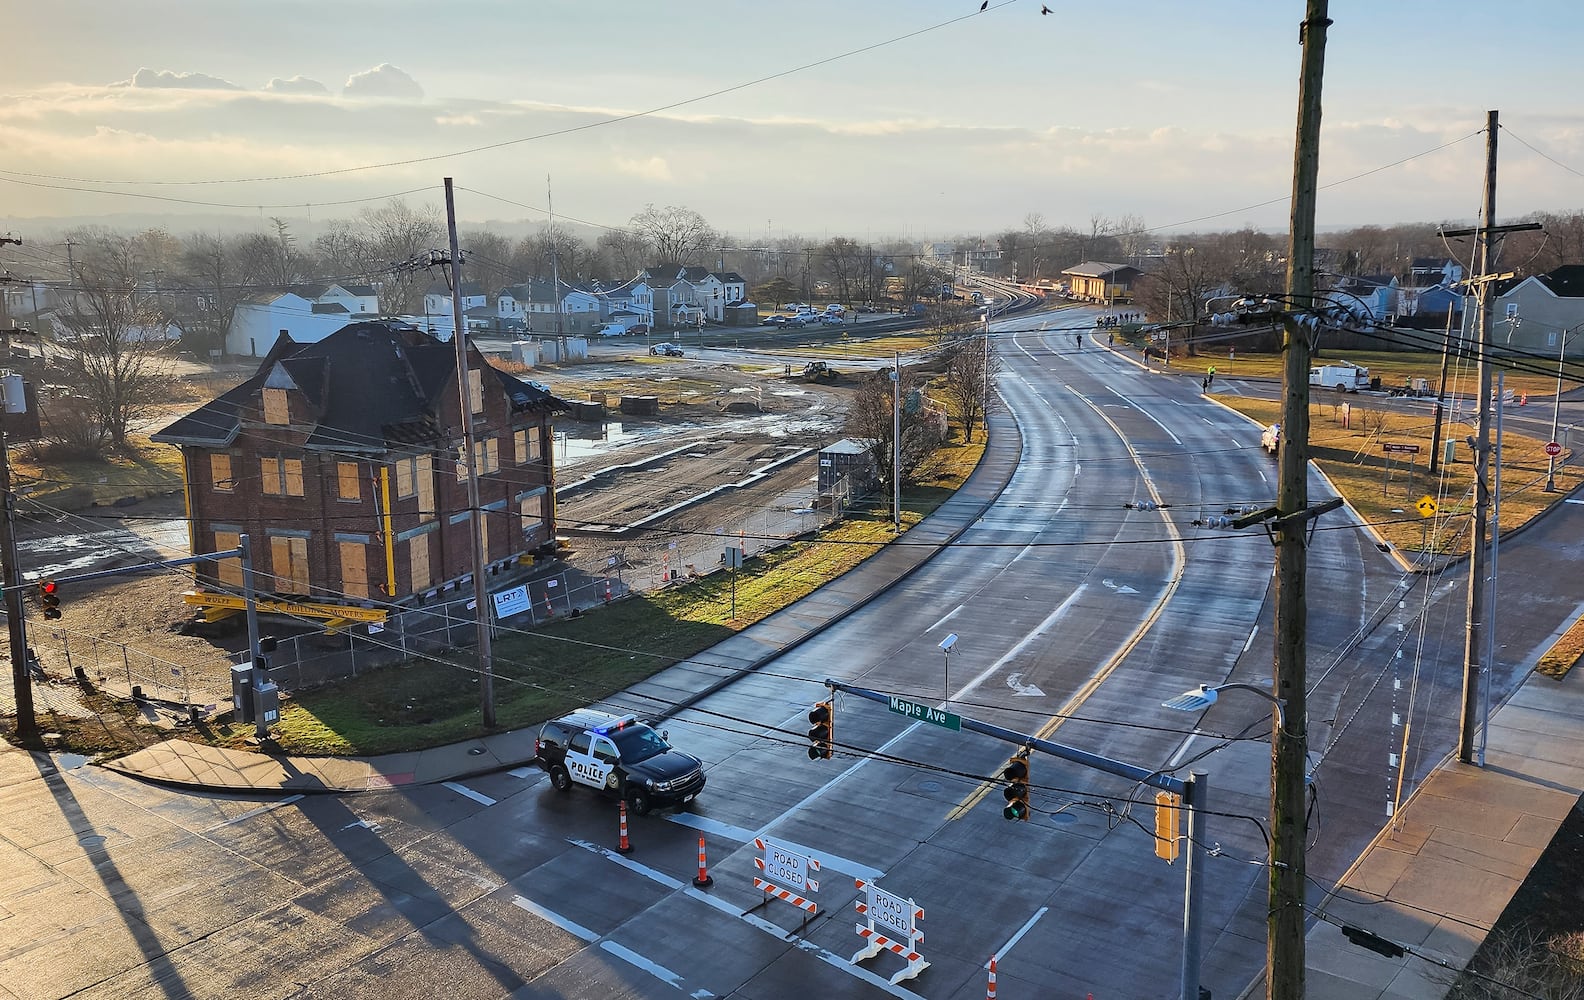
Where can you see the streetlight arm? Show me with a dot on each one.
(1279, 703)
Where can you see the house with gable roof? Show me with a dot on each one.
(338, 459)
(1098, 281)
(676, 298)
(1540, 312)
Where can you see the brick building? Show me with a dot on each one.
(339, 460)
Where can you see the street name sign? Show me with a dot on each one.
(924, 713)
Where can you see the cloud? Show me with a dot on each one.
(458, 119)
(653, 168)
(165, 78)
(383, 80)
(296, 85)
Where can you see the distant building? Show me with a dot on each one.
(1098, 281)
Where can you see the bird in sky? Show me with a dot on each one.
(984, 5)
(1045, 10)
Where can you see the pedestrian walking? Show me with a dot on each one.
(1209, 378)
(1204, 384)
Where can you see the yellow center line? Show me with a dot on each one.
(1099, 677)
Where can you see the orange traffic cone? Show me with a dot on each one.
(625, 847)
(702, 880)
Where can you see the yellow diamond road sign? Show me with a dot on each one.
(1427, 506)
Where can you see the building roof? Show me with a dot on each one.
(330, 308)
(1565, 282)
(360, 290)
(1097, 269)
(729, 277)
(370, 387)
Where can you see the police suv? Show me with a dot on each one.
(619, 755)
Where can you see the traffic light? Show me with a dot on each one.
(1016, 774)
(823, 721)
(1168, 821)
(49, 600)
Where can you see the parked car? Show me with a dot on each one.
(620, 756)
(831, 319)
(638, 329)
(666, 351)
(835, 310)
(610, 330)
(776, 320)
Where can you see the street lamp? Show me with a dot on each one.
(1204, 696)
(946, 645)
(1556, 408)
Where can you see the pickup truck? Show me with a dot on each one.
(1342, 378)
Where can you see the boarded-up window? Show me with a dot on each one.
(354, 569)
(281, 476)
(424, 474)
(486, 456)
(526, 444)
(220, 471)
(347, 482)
(276, 410)
(289, 564)
(406, 477)
(533, 513)
(418, 545)
(229, 571)
(476, 389)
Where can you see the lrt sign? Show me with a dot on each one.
(924, 713)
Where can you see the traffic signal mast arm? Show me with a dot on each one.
(140, 568)
(1147, 776)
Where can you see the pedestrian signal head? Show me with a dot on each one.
(822, 719)
(1016, 775)
(49, 599)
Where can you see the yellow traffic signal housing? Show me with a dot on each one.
(49, 599)
(1016, 775)
(823, 720)
(1168, 824)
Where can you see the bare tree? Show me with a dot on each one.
(626, 252)
(923, 426)
(845, 263)
(212, 280)
(1133, 237)
(393, 233)
(970, 368)
(272, 257)
(115, 355)
(673, 233)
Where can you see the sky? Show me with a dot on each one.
(874, 120)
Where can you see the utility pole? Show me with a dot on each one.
(1446, 355)
(1284, 975)
(22, 685)
(476, 526)
(1473, 645)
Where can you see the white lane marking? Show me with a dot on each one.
(752, 920)
(1252, 633)
(1157, 423)
(1262, 476)
(361, 824)
(703, 824)
(574, 929)
(1573, 500)
(462, 789)
(1014, 939)
(1039, 631)
(1182, 751)
(261, 810)
(524, 772)
(655, 969)
(943, 619)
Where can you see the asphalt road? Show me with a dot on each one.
(1082, 599)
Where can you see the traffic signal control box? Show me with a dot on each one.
(1168, 825)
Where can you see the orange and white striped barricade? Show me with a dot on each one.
(789, 871)
(884, 911)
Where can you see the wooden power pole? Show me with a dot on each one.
(1284, 974)
(476, 525)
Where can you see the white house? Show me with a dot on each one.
(635, 298)
(437, 298)
(260, 319)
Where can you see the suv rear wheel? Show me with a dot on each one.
(560, 780)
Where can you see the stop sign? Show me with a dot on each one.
(1553, 449)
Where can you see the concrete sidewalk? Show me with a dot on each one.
(195, 765)
(1440, 875)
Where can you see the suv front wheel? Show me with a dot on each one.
(560, 780)
(640, 801)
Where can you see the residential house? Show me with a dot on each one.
(437, 300)
(1370, 298)
(307, 312)
(1540, 312)
(633, 300)
(535, 303)
(338, 459)
(676, 298)
(1427, 272)
(1098, 281)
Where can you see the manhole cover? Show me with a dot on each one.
(929, 786)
